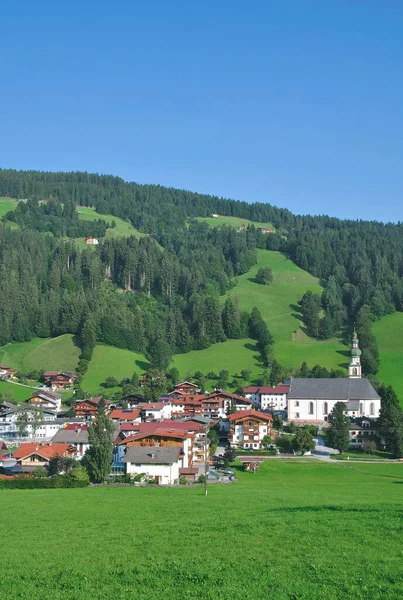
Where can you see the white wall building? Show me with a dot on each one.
(156, 410)
(159, 463)
(268, 398)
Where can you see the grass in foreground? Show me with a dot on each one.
(313, 531)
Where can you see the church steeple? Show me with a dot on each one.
(354, 369)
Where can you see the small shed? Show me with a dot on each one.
(251, 463)
(189, 473)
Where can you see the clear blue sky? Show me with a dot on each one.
(294, 102)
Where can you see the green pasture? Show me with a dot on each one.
(49, 354)
(122, 228)
(231, 222)
(294, 530)
(7, 204)
(389, 336)
(16, 393)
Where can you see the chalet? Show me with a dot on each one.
(74, 434)
(88, 408)
(186, 387)
(6, 372)
(161, 463)
(125, 415)
(268, 398)
(265, 230)
(46, 399)
(155, 410)
(59, 380)
(36, 455)
(91, 241)
(232, 401)
(248, 428)
(187, 404)
(214, 407)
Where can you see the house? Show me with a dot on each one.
(268, 398)
(88, 408)
(160, 463)
(186, 387)
(186, 404)
(248, 428)
(311, 400)
(46, 399)
(38, 455)
(59, 380)
(10, 420)
(155, 410)
(214, 407)
(214, 216)
(6, 372)
(125, 415)
(265, 229)
(91, 241)
(363, 430)
(232, 402)
(74, 434)
(4, 406)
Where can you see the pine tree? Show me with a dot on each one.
(98, 457)
(339, 431)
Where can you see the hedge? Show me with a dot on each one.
(41, 483)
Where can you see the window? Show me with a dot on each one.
(311, 408)
(372, 409)
(296, 403)
(297, 415)
(325, 408)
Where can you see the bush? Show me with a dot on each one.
(201, 479)
(60, 481)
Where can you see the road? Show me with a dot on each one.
(323, 452)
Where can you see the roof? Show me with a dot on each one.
(332, 389)
(151, 455)
(128, 427)
(4, 367)
(264, 389)
(251, 459)
(92, 400)
(123, 414)
(46, 451)
(248, 414)
(47, 393)
(233, 396)
(151, 405)
(188, 471)
(185, 383)
(69, 435)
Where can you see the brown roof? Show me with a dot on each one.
(242, 414)
(47, 451)
(123, 414)
(188, 471)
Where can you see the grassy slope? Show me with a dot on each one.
(16, 393)
(276, 303)
(108, 360)
(388, 332)
(231, 221)
(7, 204)
(121, 229)
(49, 354)
(315, 532)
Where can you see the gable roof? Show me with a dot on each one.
(70, 435)
(151, 405)
(250, 414)
(331, 389)
(264, 389)
(46, 451)
(123, 414)
(93, 401)
(232, 396)
(154, 455)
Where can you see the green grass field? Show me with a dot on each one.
(50, 354)
(231, 222)
(312, 532)
(7, 204)
(277, 304)
(108, 360)
(122, 228)
(16, 393)
(389, 336)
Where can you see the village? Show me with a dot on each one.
(187, 435)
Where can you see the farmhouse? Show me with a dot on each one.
(73, 434)
(91, 241)
(46, 399)
(155, 410)
(160, 463)
(59, 380)
(6, 372)
(88, 408)
(125, 415)
(232, 401)
(268, 398)
(186, 387)
(34, 455)
(248, 428)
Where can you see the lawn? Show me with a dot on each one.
(49, 354)
(232, 222)
(389, 335)
(315, 531)
(108, 360)
(16, 393)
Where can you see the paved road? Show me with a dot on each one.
(321, 451)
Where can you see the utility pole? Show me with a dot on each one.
(205, 459)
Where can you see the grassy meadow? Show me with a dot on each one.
(50, 354)
(389, 336)
(231, 222)
(122, 228)
(108, 360)
(7, 204)
(315, 531)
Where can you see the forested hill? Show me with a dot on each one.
(48, 286)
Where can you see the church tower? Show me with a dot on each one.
(354, 369)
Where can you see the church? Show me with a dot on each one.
(311, 400)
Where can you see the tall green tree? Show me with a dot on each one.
(338, 435)
(97, 459)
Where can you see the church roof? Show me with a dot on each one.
(331, 389)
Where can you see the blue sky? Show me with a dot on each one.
(297, 103)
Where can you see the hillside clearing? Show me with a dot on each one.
(388, 333)
(51, 354)
(317, 531)
(7, 204)
(232, 222)
(122, 228)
